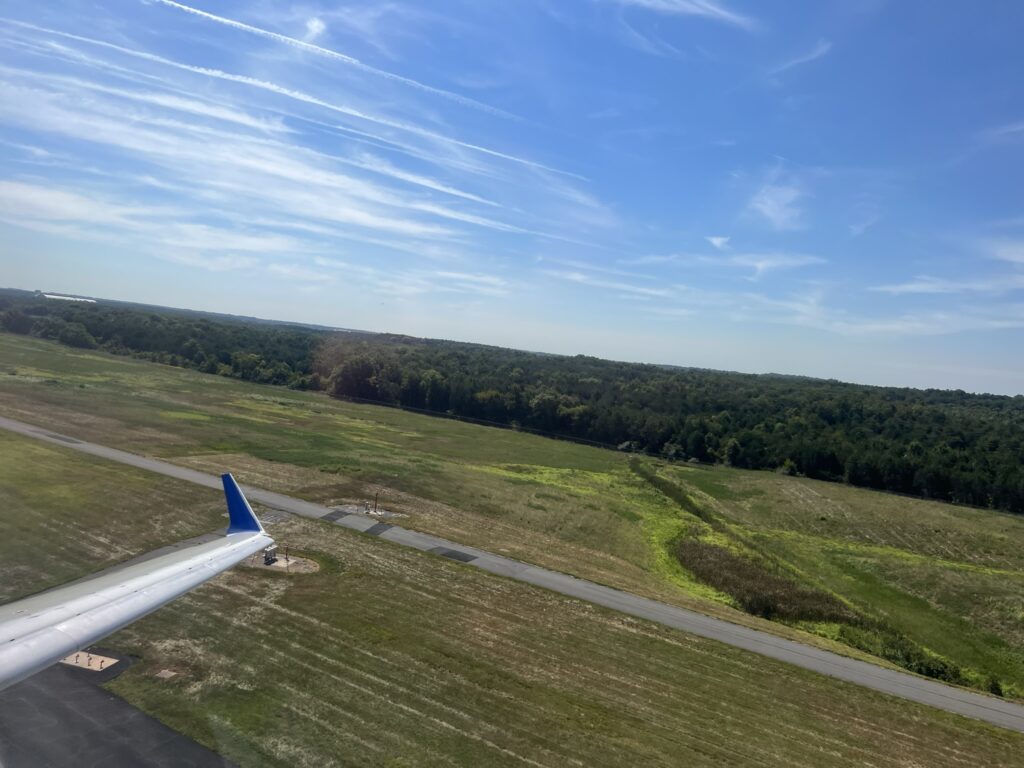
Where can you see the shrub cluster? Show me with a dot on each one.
(762, 592)
(758, 590)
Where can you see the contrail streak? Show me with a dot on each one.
(295, 95)
(337, 56)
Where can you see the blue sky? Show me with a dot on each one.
(825, 188)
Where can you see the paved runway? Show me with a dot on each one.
(61, 717)
(902, 684)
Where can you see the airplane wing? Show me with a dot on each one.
(37, 631)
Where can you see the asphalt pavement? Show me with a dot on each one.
(896, 683)
(61, 717)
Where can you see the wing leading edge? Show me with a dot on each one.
(37, 631)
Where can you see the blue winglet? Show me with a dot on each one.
(240, 515)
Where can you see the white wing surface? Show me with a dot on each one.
(37, 631)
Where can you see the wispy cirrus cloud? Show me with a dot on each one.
(583, 278)
(416, 282)
(864, 222)
(379, 165)
(811, 309)
(1004, 131)
(756, 264)
(172, 101)
(821, 48)
(650, 259)
(932, 322)
(234, 165)
(476, 283)
(168, 234)
(211, 263)
(778, 203)
(759, 263)
(203, 237)
(762, 263)
(295, 95)
(317, 26)
(300, 272)
(925, 284)
(670, 311)
(646, 42)
(22, 201)
(1006, 249)
(704, 9)
(252, 188)
(238, 137)
(477, 279)
(591, 267)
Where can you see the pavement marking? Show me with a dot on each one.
(905, 685)
(453, 554)
(335, 516)
(55, 436)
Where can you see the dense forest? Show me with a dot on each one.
(946, 445)
(269, 353)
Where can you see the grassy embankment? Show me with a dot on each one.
(947, 580)
(388, 656)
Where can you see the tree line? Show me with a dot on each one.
(946, 445)
(267, 353)
(939, 444)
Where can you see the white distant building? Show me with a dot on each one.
(67, 298)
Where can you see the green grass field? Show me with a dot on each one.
(949, 579)
(388, 656)
(67, 515)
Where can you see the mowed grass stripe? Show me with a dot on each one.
(450, 478)
(649, 696)
(646, 693)
(418, 692)
(537, 657)
(324, 678)
(561, 661)
(543, 679)
(92, 515)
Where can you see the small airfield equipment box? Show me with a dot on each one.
(270, 555)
